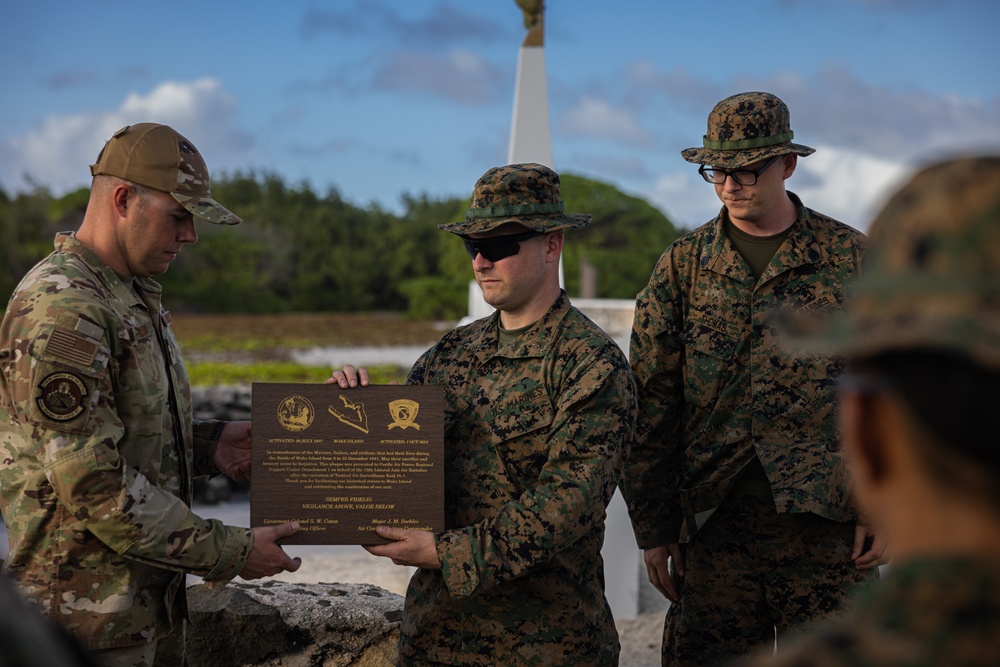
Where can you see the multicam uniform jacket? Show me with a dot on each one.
(720, 377)
(928, 612)
(535, 436)
(97, 454)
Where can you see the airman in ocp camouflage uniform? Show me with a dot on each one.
(540, 408)
(922, 341)
(98, 448)
(736, 488)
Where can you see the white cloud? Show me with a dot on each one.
(594, 117)
(59, 149)
(461, 77)
(833, 106)
(846, 184)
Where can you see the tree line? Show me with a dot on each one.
(303, 251)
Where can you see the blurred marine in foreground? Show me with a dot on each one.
(919, 427)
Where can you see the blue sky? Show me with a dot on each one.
(382, 98)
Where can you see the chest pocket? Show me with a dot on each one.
(140, 365)
(520, 429)
(709, 356)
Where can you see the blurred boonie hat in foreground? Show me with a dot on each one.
(931, 279)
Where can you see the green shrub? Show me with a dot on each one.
(435, 298)
(224, 373)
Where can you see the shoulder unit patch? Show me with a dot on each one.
(61, 396)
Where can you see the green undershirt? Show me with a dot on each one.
(507, 335)
(756, 251)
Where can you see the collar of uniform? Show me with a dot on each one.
(121, 288)
(800, 247)
(722, 256)
(535, 342)
(539, 338)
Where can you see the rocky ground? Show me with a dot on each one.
(639, 636)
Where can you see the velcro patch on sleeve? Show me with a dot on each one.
(61, 396)
(72, 346)
(89, 329)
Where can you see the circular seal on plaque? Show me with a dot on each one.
(61, 396)
(296, 413)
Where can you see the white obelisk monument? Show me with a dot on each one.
(530, 134)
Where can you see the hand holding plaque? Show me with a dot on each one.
(341, 462)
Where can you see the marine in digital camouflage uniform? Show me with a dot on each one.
(922, 341)
(98, 448)
(735, 474)
(540, 408)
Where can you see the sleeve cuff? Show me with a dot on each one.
(235, 551)
(206, 440)
(458, 562)
(208, 430)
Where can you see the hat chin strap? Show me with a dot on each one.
(742, 144)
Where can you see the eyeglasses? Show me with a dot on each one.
(717, 176)
(495, 248)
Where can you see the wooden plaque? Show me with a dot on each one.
(343, 461)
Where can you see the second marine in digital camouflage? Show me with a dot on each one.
(736, 486)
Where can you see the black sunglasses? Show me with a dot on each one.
(496, 248)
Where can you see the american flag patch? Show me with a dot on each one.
(71, 346)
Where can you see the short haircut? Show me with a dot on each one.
(953, 400)
(107, 183)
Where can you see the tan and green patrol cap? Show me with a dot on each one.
(932, 272)
(158, 157)
(745, 128)
(526, 194)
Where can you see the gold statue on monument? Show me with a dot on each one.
(533, 10)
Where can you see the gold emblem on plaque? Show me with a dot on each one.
(353, 415)
(404, 413)
(296, 413)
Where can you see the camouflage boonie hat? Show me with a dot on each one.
(527, 194)
(157, 157)
(745, 128)
(932, 274)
